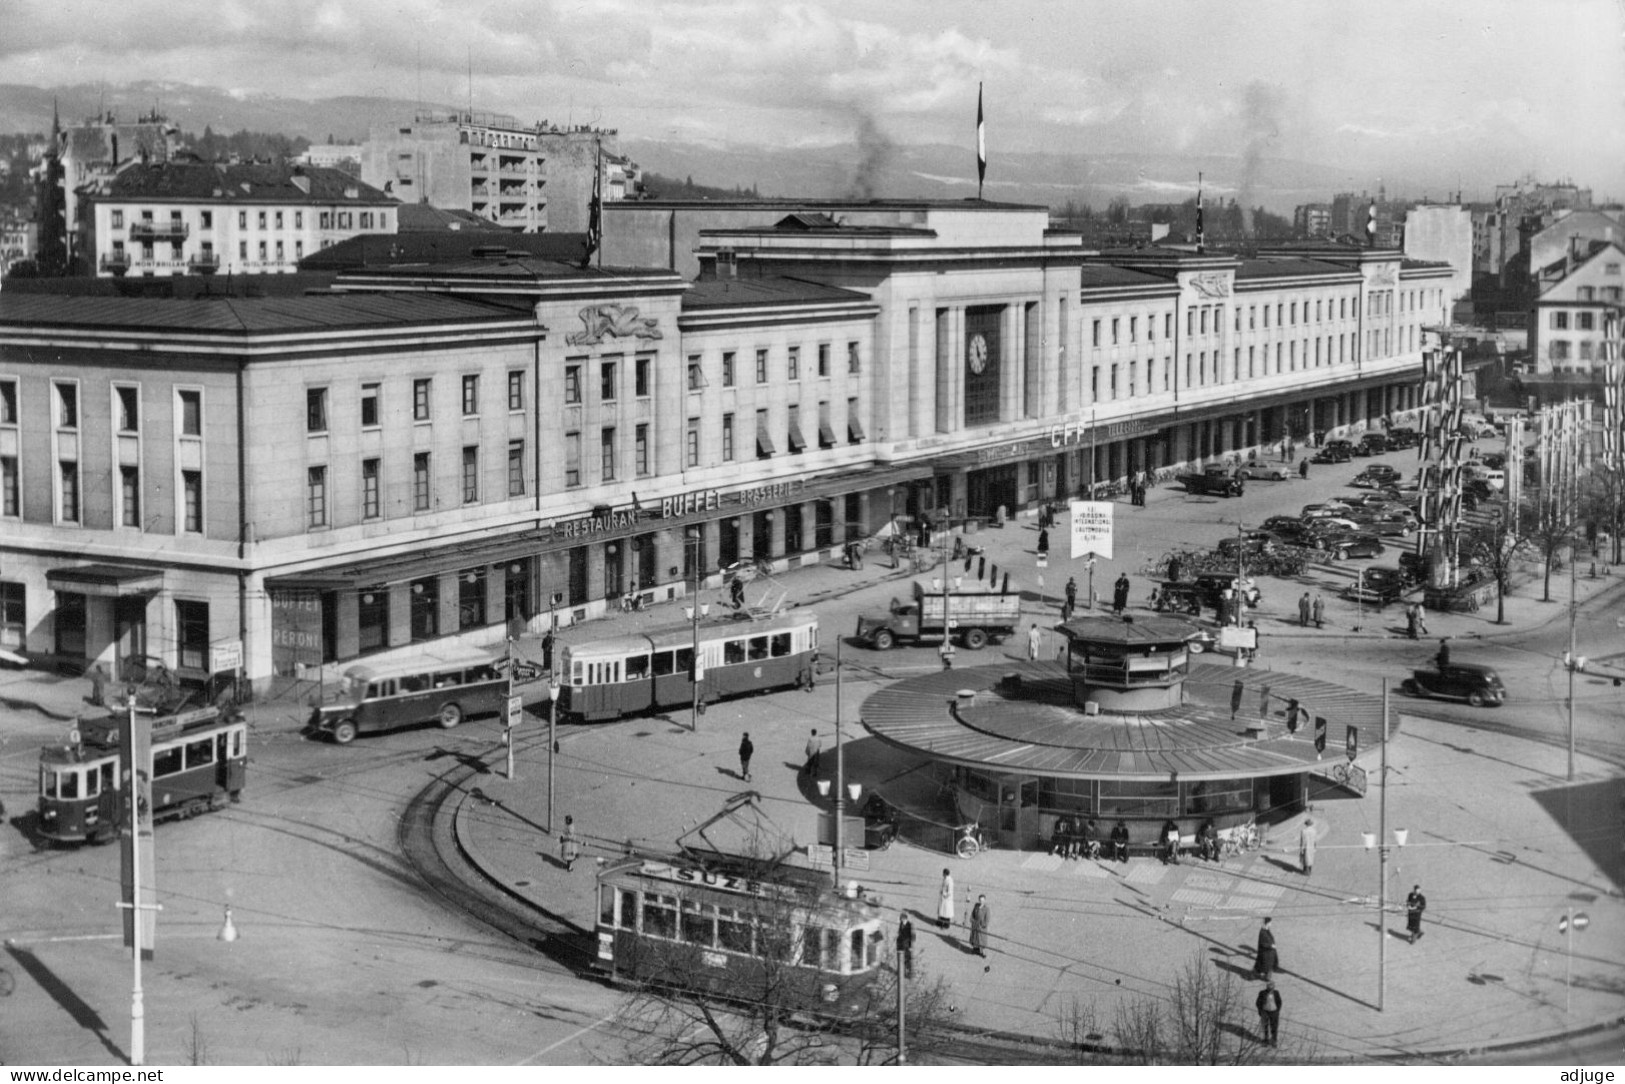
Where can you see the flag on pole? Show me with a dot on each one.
(595, 209)
(981, 143)
(1201, 232)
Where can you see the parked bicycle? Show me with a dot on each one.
(971, 840)
(1239, 841)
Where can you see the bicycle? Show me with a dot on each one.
(1239, 841)
(971, 840)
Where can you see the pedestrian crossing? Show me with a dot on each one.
(1253, 889)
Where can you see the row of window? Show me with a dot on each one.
(265, 220)
(70, 506)
(372, 481)
(1563, 350)
(1200, 319)
(1583, 321)
(795, 438)
(371, 415)
(126, 401)
(1202, 368)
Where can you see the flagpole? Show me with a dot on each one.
(981, 143)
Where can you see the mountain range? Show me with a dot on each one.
(870, 167)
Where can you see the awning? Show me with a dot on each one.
(826, 434)
(106, 581)
(797, 442)
(854, 429)
(764, 439)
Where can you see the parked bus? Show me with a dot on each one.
(445, 686)
(726, 934)
(199, 762)
(631, 674)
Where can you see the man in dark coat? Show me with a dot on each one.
(1120, 593)
(547, 651)
(1415, 904)
(1304, 609)
(746, 751)
(1269, 1014)
(980, 916)
(1443, 657)
(1303, 467)
(814, 747)
(1266, 961)
(905, 944)
(1120, 840)
(1043, 541)
(1071, 594)
(1174, 569)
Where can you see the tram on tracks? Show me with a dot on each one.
(727, 934)
(199, 763)
(632, 674)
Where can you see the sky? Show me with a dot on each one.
(1496, 89)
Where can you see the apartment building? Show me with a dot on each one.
(1577, 311)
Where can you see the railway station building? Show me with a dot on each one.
(473, 447)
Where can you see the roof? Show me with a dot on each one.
(1098, 275)
(242, 315)
(715, 293)
(1139, 630)
(442, 245)
(221, 182)
(1284, 267)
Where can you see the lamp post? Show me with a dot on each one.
(695, 612)
(552, 742)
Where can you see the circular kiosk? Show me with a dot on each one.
(1130, 723)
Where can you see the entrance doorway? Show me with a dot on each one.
(129, 630)
(986, 490)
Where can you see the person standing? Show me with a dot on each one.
(1303, 467)
(1415, 904)
(569, 844)
(746, 751)
(1306, 845)
(1304, 610)
(1410, 621)
(1174, 569)
(1264, 962)
(1319, 611)
(814, 747)
(905, 944)
(1422, 618)
(1120, 592)
(1071, 595)
(1443, 657)
(547, 651)
(1269, 1014)
(979, 917)
(945, 902)
(1035, 641)
(1043, 540)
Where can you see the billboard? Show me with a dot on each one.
(1091, 528)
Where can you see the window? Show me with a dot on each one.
(640, 377)
(1133, 328)
(191, 413)
(8, 402)
(10, 500)
(823, 359)
(1133, 377)
(298, 219)
(369, 489)
(67, 406)
(696, 374)
(369, 405)
(572, 383)
(316, 497)
(572, 459)
(471, 598)
(764, 442)
(793, 363)
(1190, 322)
(471, 393)
(1293, 313)
(1094, 383)
(262, 220)
(1559, 352)
(420, 399)
(242, 220)
(1095, 337)
(192, 633)
(606, 382)
(421, 487)
(727, 368)
(516, 468)
(192, 501)
(262, 251)
(691, 443)
(854, 362)
(1167, 325)
(1203, 314)
(118, 220)
(1584, 319)
(606, 453)
(242, 250)
(425, 614)
(129, 408)
(68, 473)
(315, 410)
(130, 496)
(854, 423)
(1560, 321)
(727, 438)
(761, 366)
(13, 615)
(640, 450)
(1114, 380)
(471, 473)
(1114, 330)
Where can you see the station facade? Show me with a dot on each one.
(469, 449)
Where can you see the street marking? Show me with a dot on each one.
(1210, 880)
(1046, 863)
(1196, 897)
(572, 1037)
(1144, 873)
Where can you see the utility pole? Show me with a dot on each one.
(902, 999)
(1382, 860)
(1572, 658)
(840, 774)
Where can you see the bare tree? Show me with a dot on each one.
(1552, 521)
(1495, 547)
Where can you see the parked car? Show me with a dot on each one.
(1178, 596)
(1325, 508)
(1371, 444)
(1342, 547)
(1478, 685)
(1402, 438)
(1377, 474)
(1326, 526)
(1274, 472)
(1494, 461)
(1334, 453)
(1376, 587)
(1398, 524)
(1212, 587)
(1250, 543)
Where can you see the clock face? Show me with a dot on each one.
(976, 353)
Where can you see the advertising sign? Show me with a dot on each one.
(1091, 528)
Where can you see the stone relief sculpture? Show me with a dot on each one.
(619, 321)
(1210, 285)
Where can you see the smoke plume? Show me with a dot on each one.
(1261, 127)
(875, 153)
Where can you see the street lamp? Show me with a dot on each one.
(695, 612)
(552, 742)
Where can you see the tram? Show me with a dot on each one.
(628, 675)
(728, 935)
(199, 761)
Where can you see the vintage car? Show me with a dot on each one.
(1371, 444)
(1273, 472)
(1178, 596)
(1334, 453)
(1478, 685)
(1375, 476)
(1376, 587)
(1211, 588)
(1342, 547)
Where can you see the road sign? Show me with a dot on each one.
(516, 711)
(1043, 560)
(1581, 920)
(225, 656)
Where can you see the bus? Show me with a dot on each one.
(199, 762)
(443, 686)
(632, 674)
(722, 932)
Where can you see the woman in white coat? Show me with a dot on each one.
(945, 902)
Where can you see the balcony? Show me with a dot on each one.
(204, 263)
(145, 230)
(117, 263)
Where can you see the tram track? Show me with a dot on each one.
(1609, 752)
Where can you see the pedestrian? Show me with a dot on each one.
(1410, 621)
(1071, 594)
(979, 916)
(1269, 1014)
(1043, 540)
(1304, 608)
(746, 751)
(1415, 904)
(1320, 612)
(1120, 593)
(1306, 846)
(1443, 657)
(1265, 961)
(814, 747)
(1207, 841)
(569, 845)
(736, 593)
(1303, 467)
(1169, 837)
(1120, 840)
(1422, 618)
(547, 651)
(1035, 640)
(1174, 569)
(945, 902)
(905, 944)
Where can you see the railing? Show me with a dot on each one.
(144, 229)
(204, 263)
(116, 262)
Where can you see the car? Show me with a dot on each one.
(1325, 508)
(1393, 525)
(1212, 586)
(1342, 547)
(1376, 587)
(1402, 438)
(1494, 461)
(1178, 596)
(1371, 444)
(1251, 543)
(1478, 685)
(1377, 474)
(1321, 526)
(1269, 471)
(1340, 453)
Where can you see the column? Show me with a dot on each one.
(496, 592)
(400, 613)
(776, 533)
(446, 616)
(945, 369)
(747, 535)
(348, 622)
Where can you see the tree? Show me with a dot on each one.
(1117, 211)
(1496, 547)
(1552, 520)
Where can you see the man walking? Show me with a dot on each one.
(569, 845)
(547, 651)
(979, 918)
(1422, 618)
(1415, 904)
(1319, 612)
(905, 944)
(1264, 962)
(1071, 596)
(814, 747)
(1120, 593)
(1043, 540)
(746, 751)
(1410, 621)
(1304, 610)
(1269, 1014)
(1303, 467)
(1035, 640)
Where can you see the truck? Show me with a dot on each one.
(1218, 480)
(978, 614)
